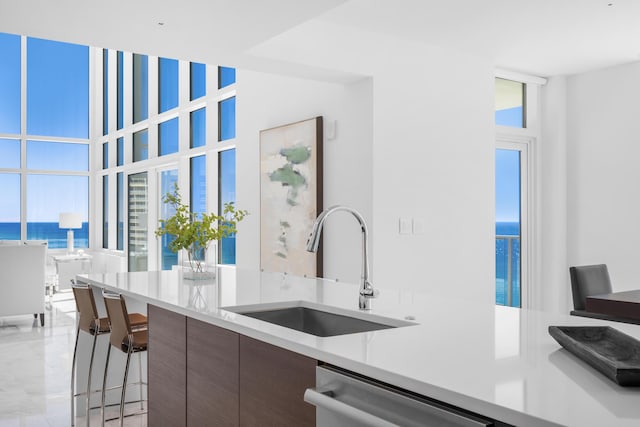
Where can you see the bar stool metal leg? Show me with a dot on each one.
(104, 384)
(124, 386)
(88, 400)
(140, 376)
(73, 379)
(74, 370)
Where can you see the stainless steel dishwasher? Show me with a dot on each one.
(343, 399)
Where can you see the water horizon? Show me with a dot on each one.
(49, 231)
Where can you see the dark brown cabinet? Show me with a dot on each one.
(204, 375)
(272, 385)
(167, 359)
(212, 375)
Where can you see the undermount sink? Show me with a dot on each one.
(317, 319)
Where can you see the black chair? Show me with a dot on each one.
(587, 280)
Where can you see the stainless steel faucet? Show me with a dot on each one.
(366, 287)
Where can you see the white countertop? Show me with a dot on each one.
(497, 361)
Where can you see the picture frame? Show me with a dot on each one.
(290, 196)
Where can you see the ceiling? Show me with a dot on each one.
(538, 37)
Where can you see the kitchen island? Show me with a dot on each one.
(498, 362)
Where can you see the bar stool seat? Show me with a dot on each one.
(137, 321)
(90, 323)
(139, 342)
(103, 326)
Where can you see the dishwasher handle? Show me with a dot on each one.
(325, 400)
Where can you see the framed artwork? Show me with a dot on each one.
(290, 196)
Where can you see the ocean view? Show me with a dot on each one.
(49, 231)
(507, 228)
(507, 234)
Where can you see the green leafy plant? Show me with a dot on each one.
(194, 232)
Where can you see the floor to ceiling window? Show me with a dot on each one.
(105, 93)
(10, 207)
(45, 152)
(10, 77)
(120, 86)
(53, 176)
(120, 211)
(151, 142)
(198, 192)
(227, 119)
(226, 159)
(138, 230)
(168, 84)
(226, 77)
(168, 180)
(198, 126)
(227, 194)
(508, 222)
(515, 117)
(198, 184)
(197, 80)
(509, 112)
(168, 137)
(141, 145)
(510, 103)
(140, 87)
(105, 212)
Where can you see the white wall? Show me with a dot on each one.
(603, 173)
(416, 141)
(552, 290)
(434, 161)
(267, 100)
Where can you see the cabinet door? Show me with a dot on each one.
(167, 368)
(212, 375)
(272, 385)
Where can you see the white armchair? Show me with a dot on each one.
(22, 279)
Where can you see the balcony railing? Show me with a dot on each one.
(508, 270)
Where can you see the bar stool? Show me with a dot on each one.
(91, 323)
(127, 340)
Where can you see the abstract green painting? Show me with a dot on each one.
(290, 196)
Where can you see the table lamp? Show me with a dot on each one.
(70, 221)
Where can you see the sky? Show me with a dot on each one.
(57, 106)
(508, 170)
(507, 186)
(9, 83)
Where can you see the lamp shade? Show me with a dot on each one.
(70, 220)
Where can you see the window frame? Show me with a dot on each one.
(526, 140)
(155, 162)
(23, 137)
(158, 207)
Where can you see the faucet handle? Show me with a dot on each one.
(369, 292)
(365, 297)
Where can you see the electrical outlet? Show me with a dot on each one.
(405, 226)
(331, 130)
(418, 226)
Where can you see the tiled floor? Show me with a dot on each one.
(35, 367)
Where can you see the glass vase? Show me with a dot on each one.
(195, 267)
